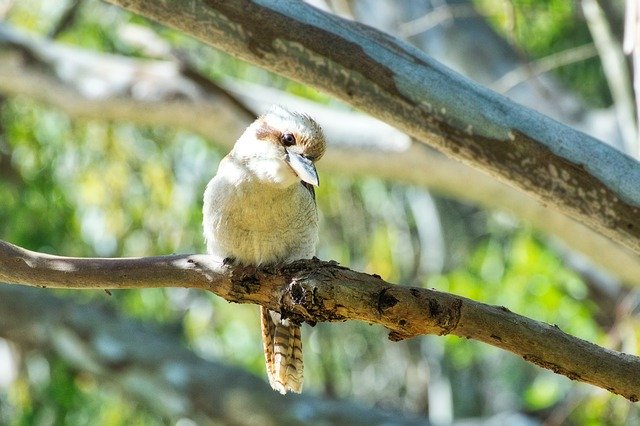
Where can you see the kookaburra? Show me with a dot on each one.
(260, 210)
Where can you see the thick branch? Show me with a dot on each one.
(313, 290)
(34, 67)
(399, 84)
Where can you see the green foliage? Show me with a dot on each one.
(89, 188)
(50, 392)
(521, 273)
(33, 136)
(544, 27)
(117, 183)
(526, 276)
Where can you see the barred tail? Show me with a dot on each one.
(282, 352)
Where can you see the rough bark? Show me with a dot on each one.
(399, 84)
(33, 67)
(313, 290)
(154, 366)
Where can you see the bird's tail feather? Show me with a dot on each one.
(282, 352)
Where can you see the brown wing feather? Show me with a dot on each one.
(268, 335)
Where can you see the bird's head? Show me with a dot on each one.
(281, 147)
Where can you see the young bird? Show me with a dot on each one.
(259, 209)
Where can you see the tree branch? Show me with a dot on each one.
(314, 290)
(399, 84)
(615, 70)
(34, 67)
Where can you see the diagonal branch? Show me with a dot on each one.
(395, 82)
(314, 290)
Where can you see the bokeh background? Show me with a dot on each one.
(131, 183)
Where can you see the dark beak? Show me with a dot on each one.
(304, 168)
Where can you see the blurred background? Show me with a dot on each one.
(111, 126)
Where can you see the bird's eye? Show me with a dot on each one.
(288, 139)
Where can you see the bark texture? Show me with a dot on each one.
(401, 85)
(313, 290)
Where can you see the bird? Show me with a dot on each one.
(260, 210)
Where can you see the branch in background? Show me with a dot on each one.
(190, 72)
(438, 16)
(156, 93)
(154, 367)
(631, 46)
(525, 72)
(8, 172)
(615, 70)
(393, 81)
(313, 290)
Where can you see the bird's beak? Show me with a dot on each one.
(303, 167)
